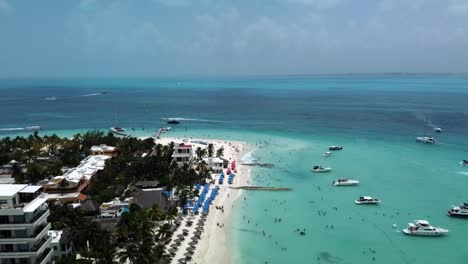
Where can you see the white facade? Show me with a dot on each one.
(103, 149)
(23, 225)
(216, 164)
(182, 154)
(61, 248)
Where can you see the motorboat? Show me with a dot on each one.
(117, 131)
(464, 162)
(459, 211)
(423, 228)
(33, 128)
(367, 200)
(438, 130)
(320, 169)
(171, 120)
(333, 148)
(327, 154)
(345, 182)
(426, 140)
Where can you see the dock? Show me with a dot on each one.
(261, 188)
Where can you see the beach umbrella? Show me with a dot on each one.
(197, 233)
(182, 260)
(178, 240)
(194, 238)
(180, 236)
(193, 243)
(171, 250)
(200, 229)
(188, 255)
(174, 245)
(190, 249)
(185, 230)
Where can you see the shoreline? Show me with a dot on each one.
(214, 242)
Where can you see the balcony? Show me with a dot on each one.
(40, 232)
(37, 220)
(46, 256)
(35, 251)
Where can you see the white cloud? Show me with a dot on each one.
(320, 4)
(5, 7)
(458, 7)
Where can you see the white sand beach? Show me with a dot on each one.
(213, 245)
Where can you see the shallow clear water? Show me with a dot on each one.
(290, 122)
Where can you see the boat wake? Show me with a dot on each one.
(13, 129)
(53, 98)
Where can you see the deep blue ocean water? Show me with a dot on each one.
(290, 121)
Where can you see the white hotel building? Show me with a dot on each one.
(23, 225)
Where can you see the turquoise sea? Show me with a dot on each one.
(290, 122)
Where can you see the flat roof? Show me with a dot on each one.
(8, 190)
(34, 204)
(30, 189)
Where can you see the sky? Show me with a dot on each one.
(157, 38)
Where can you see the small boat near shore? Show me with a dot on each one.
(118, 131)
(327, 154)
(459, 211)
(464, 162)
(367, 200)
(320, 169)
(426, 140)
(423, 228)
(335, 148)
(438, 130)
(345, 182)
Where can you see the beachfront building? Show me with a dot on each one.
(183, 154)
(215, 164)
(69, 186)
(146, 198)
(61, 243)
(103, 149)
(23, 225)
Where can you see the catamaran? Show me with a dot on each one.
(320, 169)
(367, 200)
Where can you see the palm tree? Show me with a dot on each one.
(164, 231)
(198, 153)
(210, 150)
(156, 213)
(220, 152)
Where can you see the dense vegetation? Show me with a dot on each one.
(136, 237)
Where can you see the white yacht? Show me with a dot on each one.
(459, 211)
(345, 182)
(320, 169)
(118, 131)
(367, 200)
(327, 154)
(426, 140)
(438, 130)
(423, 228)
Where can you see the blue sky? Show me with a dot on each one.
(101, 38)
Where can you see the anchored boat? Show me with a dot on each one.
(345, 182)
(423, 228)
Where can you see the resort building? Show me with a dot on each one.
(61, 243)
(183, 154)
(215, 164)
(69, 186)
(146, 198)
(103, 149)
(23, 225)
